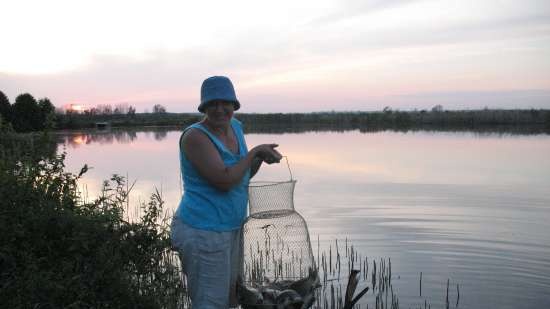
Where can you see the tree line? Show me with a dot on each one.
(26, 113)
(485, 120)
(118, 109)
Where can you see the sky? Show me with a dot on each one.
(282, 56)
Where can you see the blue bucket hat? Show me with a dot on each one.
(218, 88)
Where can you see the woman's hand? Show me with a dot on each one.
(267, 153)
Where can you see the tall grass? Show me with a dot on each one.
(58, 250)
(335, 265)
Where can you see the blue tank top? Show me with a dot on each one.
(202, 205)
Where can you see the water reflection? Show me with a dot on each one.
(468, 206)
(109, 136)
(128, 135)
(280, 127)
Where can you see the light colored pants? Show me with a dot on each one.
(211, 261)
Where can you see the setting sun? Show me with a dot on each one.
(77, 108)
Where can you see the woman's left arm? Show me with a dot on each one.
(256, 163)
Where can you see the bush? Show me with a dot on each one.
(57, 251)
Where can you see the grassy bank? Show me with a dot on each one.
(526, 121)
(58, 251)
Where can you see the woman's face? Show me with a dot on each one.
(219, 113)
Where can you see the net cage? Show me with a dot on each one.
(275, 242)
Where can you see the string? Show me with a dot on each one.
(288, 165)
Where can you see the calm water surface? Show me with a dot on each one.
(471, 208)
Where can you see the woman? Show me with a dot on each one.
(216, 167)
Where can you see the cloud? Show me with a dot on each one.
(171, 78)
(501, 99)
(398, 28)
(354, 8)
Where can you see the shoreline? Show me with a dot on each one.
(512, 121)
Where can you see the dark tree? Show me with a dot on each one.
(159, 109)
(131, 111)
(92, 111)
(120, 109)
(47, 113)
(5, 107)
(105, 109)
(26, 114)
(437, 108)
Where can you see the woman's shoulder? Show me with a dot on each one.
(192, 135)
(236, 121)
(237, 124)
(196, 125)
(193, 129)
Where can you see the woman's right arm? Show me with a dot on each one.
(204, 156)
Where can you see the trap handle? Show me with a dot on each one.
(288, 166)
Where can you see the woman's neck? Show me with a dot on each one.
(222, 130)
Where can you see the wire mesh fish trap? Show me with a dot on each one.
(277, 254)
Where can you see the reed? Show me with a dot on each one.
(334, 267)
(374, 273)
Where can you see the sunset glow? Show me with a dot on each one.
(75, 108)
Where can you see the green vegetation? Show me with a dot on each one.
(479, 120)
(59, 251)
(81, 121)
(523, 121)
(27, 114)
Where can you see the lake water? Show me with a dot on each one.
(470, 208)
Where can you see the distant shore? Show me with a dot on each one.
(521, 121)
